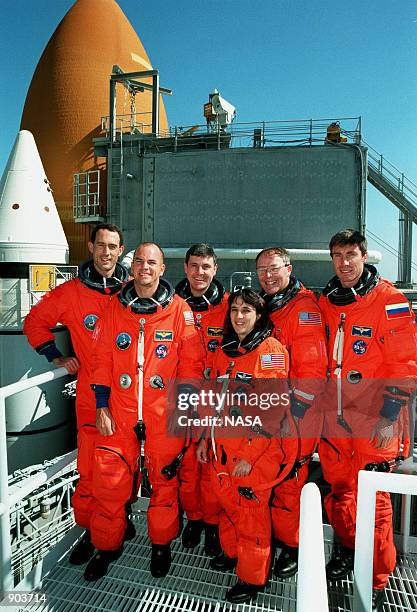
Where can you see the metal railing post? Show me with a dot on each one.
(405, 522)
(368, 485)
(311, 581)
(6, 581)
(155, 104)
(112, 112)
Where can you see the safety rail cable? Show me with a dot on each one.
(392, 174)
(388, 247)
(368, 485)
(313, 130)
(311, 581)
(6, 578)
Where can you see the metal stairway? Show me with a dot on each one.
(403, 194)
(392, 183)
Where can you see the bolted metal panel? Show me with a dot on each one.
(296, 197)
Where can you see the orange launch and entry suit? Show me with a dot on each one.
(78, 304)
(245, 524)
(209, 311)
(299, 326)
(372, 356)
(141, 346)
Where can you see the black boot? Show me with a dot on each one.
(341, 563)
(223, 563)
(160, 560)
(287, 563)
(212, 546)
(378, 598)
(192, 533)
(242, 592)
(99, 564)
(82, 551)
(130, 530)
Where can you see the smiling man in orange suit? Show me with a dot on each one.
(207, 298)
(146, 340)
(298, 325)
(79, 304)
(372, 349)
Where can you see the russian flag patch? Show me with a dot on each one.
(397, 311)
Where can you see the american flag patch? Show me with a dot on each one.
(188, 317)
(272, 360)
(309, 318)
(396, 311)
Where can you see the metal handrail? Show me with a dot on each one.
(368, 485)
(311, 581)
(391, 173)
(20, 490)
(6, 578)
(311, 130)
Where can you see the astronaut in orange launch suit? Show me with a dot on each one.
(372, 352)
(251, 460)
(79, 304)
(146, 340)
(299, 325)
(208, 300)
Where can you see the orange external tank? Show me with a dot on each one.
(69, 94)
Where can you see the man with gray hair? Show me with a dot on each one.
(298, 324)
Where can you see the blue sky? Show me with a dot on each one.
(273, 59)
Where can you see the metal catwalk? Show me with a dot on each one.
(191, 586)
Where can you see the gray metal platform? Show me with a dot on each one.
(191, 586)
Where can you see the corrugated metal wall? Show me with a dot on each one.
(295, 197)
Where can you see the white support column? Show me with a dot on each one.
(6, 583)
(311, 581)
(405, 523)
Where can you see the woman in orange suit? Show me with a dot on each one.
(245, 466)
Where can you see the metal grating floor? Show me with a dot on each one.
(191, 586)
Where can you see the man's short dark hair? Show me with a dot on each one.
(280, 251)
(110, 228)
(349, 237)
(201, 249)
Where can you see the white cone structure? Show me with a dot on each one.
(30, 227)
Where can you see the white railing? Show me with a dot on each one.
(6, 500)
(369, 484)
(311, 581)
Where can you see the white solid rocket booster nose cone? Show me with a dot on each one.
(30, 227)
